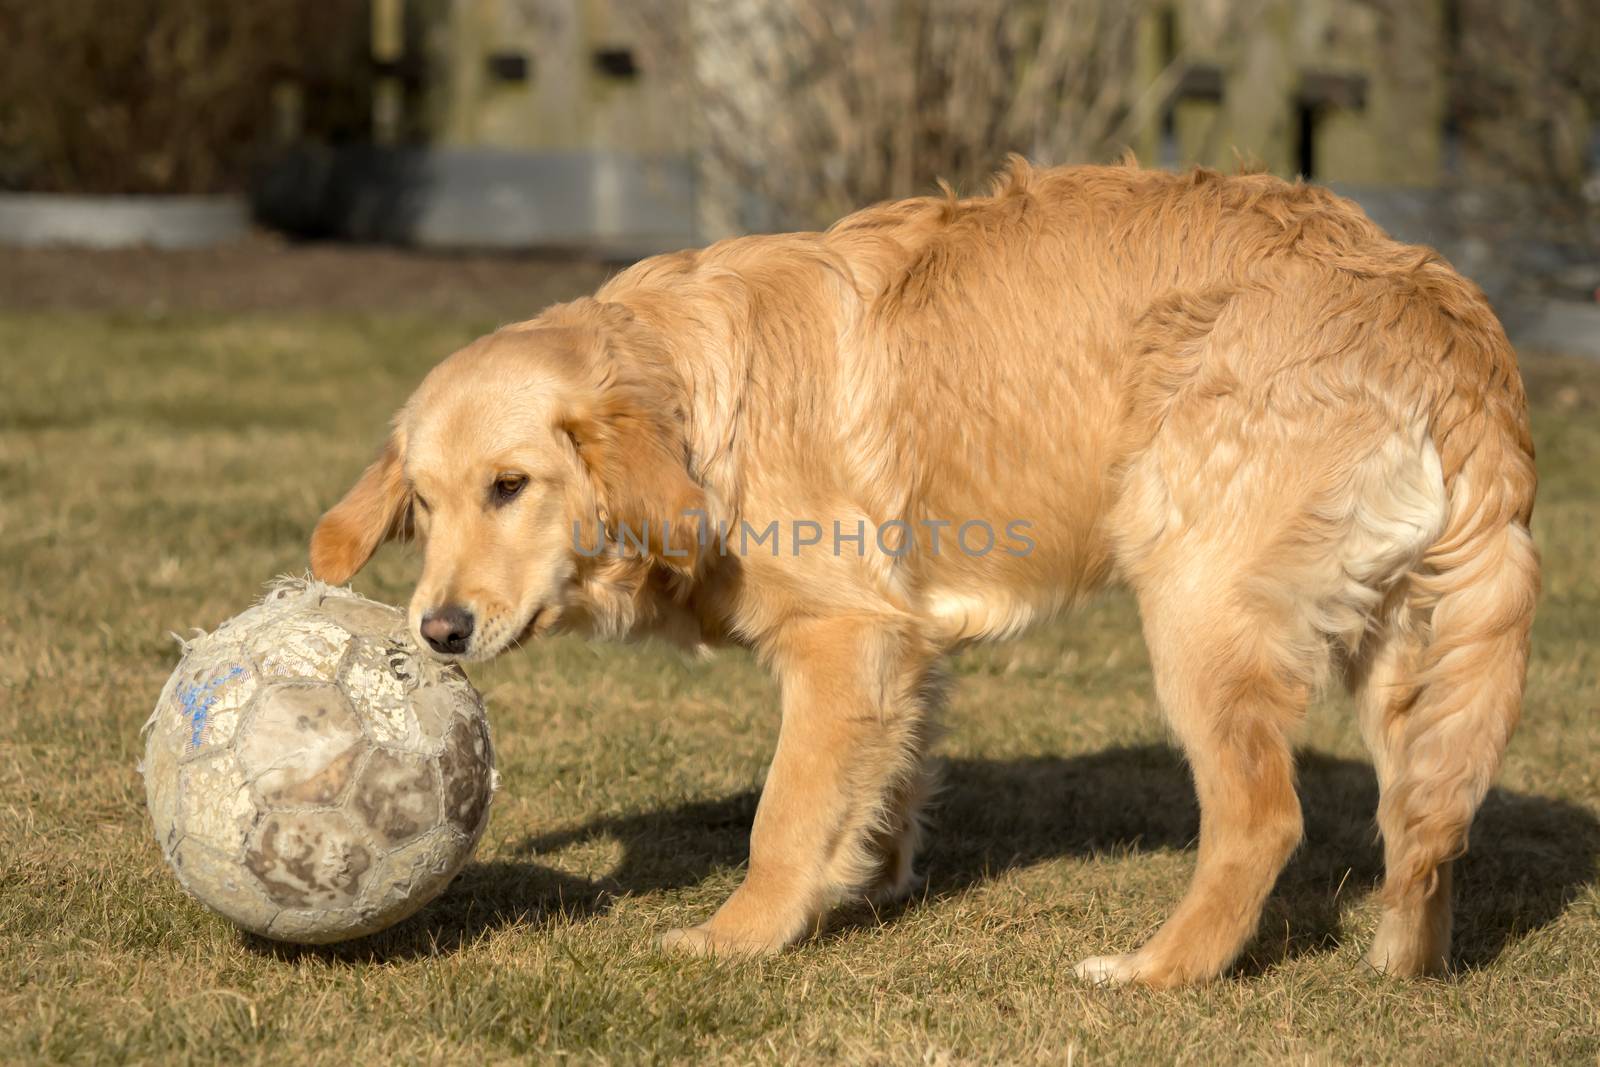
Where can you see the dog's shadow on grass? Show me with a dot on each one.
(1530, 856)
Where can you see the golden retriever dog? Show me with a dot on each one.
(1303, 445)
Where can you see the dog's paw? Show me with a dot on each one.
(1405, 958)
(890, 891)
(1109, 970)
(704, 941)
(686, 941)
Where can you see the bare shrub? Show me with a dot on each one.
(146, 96)
(1525, 97)
(810, 108)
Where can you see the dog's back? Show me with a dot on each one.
(1017, 355)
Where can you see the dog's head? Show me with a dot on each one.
(538, 466)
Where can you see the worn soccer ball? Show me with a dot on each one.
(310, 775)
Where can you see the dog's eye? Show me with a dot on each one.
(507, 486)
(421, 503)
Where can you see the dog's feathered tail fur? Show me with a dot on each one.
(1447, 692)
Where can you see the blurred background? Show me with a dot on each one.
(615, 128)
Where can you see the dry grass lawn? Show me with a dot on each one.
(156, 469)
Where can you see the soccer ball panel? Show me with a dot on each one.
(439, 706)
(201, 710)
(396, 797)
(466, 775)
(376, 676)
(302, 744)
(300, 646)
(416, 873)
(309, 859)
(235, 685)
(221, 883)
(365, 617)
(217, 807)
(160, 770)
(319, 926)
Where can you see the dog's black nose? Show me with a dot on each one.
(447, 629)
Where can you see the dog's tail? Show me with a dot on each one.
(1469, 610)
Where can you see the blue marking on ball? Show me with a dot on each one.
(197, 700)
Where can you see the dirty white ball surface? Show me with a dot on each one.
(311, 776)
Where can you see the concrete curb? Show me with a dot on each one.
(1556, 326)
(444, 198)
(37, 219)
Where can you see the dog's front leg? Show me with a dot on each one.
(855, 719)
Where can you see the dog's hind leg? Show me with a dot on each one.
(1414, 932)
(1439, 701)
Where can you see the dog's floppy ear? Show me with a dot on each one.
(627, 424)
(376, 509)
